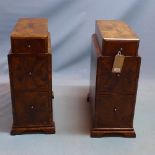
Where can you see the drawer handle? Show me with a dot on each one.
(30, 73)
(118, 74)
(29, 46)
(115, 109)
(32, 107)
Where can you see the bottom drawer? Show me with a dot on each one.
(32, 108)
(114, 111)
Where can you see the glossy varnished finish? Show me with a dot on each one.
(114, 110)
(113, 35)
(35, 109)
(31, 87)
(112, 96)
(30, 72)
(30, 35)
(124, 82)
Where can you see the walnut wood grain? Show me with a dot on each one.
(30, 35)
(30, 72)
(115, 29)
(112, 96)
(113, 35)
(30, 27)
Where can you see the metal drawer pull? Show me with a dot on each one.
(32, 107)
(30, 73)
(115, 109)
(118, 75)
(29, 46)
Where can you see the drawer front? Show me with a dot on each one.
(32, 108)
(114, 35)
(128, 48)
(125, 82)
(29, 45)
(114, 111)
(30, 72)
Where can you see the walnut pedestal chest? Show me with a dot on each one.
(30, 69)
(113, 82)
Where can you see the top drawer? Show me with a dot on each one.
(114, 35)
(30, 35)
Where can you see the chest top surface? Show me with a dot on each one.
(115, 30)
(31, 28)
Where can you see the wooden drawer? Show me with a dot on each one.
(114, 111)
(115, 35)
(30, 35)
(29, 45)
(30, 72)
(125, 82)
(127, 48)
(32, 108)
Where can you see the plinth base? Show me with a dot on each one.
(113, 132)
(27, 130)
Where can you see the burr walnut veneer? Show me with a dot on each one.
(30, 68)
(112, 96)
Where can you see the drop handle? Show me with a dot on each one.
(32, 107)
(115, 109)
(30, 73)
(118, 75)
(29, 46)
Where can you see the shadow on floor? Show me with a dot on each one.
(5, 108)
(71, 110)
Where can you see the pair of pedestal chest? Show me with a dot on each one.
(115, 66)
(30, 69)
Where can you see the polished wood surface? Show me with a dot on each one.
(30, 72)
(30, 27)
(114, 35)
(112, 96)
(115, 30)
(31, 86)
(124, 82)
(30, 35)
